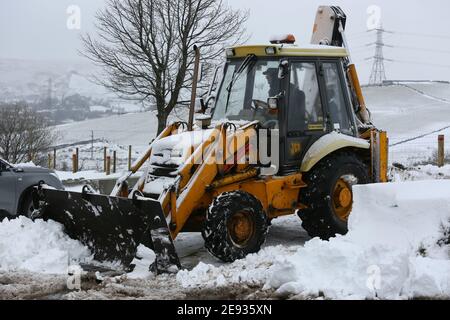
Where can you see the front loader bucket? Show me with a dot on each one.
(111, 227)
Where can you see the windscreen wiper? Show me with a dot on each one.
(248, 60)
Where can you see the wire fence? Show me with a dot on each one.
(100, 157)
(111, 158)
(427, 150)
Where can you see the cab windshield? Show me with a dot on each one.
(244, 92)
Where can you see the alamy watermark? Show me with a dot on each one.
(73, 17)
(74, 277)
(373, 281)
(374, 17)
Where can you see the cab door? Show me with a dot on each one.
(305, 117)
(339, 111)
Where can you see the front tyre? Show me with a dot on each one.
(236, 225)
(26, 207)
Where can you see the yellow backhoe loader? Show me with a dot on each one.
(287, 132)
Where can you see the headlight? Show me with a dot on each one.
(230, 52)
(271, 51)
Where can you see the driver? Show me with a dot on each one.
(270, 116)
(296, 96)
(273, 81)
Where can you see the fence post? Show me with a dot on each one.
(129, 158)
(49, 161)
(74, 163)
(104, 159)
(54, 159)
(114, 161)
(108, 165)
(77, 152)
(441, 151)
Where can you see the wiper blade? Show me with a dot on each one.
(249, 59)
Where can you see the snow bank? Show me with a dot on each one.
(38, 247)
(418, 173)
(251, 270)
(87, 175)
(390, 252)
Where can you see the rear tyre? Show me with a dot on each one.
(236, 225)
(329, 195)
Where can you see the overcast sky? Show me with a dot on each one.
(37, 29)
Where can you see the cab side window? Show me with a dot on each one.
(305, 105)
(339, 113)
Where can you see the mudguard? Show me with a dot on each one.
(111, 227)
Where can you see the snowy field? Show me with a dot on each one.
(116, 133)
(413, 115)
(137, 129)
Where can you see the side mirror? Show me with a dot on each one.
(283, 69)
(206, 104)
(273, 103)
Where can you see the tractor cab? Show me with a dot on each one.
(300, 91)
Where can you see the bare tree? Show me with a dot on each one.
(146, 46)
(24, 134)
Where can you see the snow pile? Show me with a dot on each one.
(144, 258)
(38, 247)
(251, 270)
(390, 252)
(175, 149)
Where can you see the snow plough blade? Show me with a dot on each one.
(111, 227)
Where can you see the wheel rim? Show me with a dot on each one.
(241, 228)
(342, 199)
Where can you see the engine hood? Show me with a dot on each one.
(174, 150)
(31, 169)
